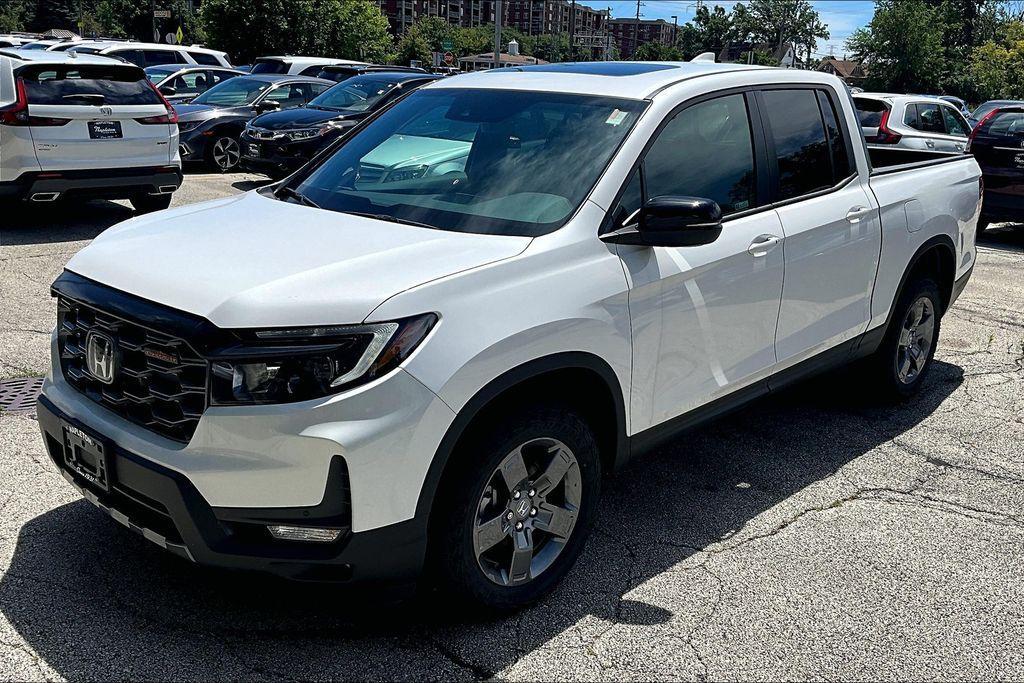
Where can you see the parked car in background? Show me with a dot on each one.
(985, 108)
(181, 85)
(279, 142)
(997, 142)
(15, 41)
(211, 124)
(911, 122)
(78, 126)
(42, 44)
(343, 72)
(155, 54)
(293, 65)
(425, 380)
(960, 105)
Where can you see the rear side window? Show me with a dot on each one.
(311, 70)
(269, 66)
(705, 151)
(1005, 124)
(842, 166)
(870, 111)
(154, 57)
(204, 58)
(134, 56)
(116, 85)
(801, 146)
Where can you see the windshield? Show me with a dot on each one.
(474, 160)
(357, 94)
(235, 92)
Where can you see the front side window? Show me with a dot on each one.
(234, 92)
(801, 147)
(929, 119)
(288, 96)
(955, 124)
(705, 151)
(476, 160)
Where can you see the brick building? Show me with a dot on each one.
(628, 34)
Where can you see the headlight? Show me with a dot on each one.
(186, 126)
(301, 364)
(409, 173)
(303, 134)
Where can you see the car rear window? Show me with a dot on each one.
(117, 85)
(870, 111)
(1006, 123)
(269, 66)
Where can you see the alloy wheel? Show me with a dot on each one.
(916, 337)
(527, 511)
(226, 153)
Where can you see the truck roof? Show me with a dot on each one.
(633, 80)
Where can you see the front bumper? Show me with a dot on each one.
(164, 506)
(280, 156)
(107, 183)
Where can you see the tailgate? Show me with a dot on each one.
(95, 116)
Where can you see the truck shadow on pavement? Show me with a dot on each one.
(71, 221)
(92, 600)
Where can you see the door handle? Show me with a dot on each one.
(762, 244)
(856, 213)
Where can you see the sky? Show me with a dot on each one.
(842, 16)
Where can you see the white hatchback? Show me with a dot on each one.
(84, 126)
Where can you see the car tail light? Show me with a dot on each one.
(16, 114)
(170, 117)
(886, 136)
(974, 132)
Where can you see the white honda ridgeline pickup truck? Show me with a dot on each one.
(420, 353)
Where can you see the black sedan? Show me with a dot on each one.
(211, 124)
(280, 142)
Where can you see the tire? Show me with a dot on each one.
(147, 203)
(224, 152)
(899, 371)
(475, 502)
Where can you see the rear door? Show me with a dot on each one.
(832, 230)
(998, 146)
(95, 116)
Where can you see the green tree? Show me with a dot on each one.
(552, 48)
(657, 52)
(775, 22)
(14, 15)
(714, 28)
(997, 66)
(902, 47)
(346, 29)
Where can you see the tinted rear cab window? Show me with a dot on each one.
(77, 85)
(269, 66)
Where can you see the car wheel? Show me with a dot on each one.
(517, 510)
(147, 203)
(225, 153)
(904, 358)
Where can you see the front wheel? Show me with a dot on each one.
(516, 512)
(224, 153)
(905, 356)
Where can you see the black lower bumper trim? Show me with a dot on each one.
(165, 507)
(111, 183)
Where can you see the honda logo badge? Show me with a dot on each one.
(101, 357)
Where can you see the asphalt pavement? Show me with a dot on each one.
(813, 535)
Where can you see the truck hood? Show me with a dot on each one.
(255, 261)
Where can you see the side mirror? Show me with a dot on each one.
(267, 105)
(168, 91)
(671, 221)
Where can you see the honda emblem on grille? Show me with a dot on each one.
(101, 357)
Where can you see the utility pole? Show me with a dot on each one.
(152, 11)
(636, 30)
(675, 29)
(572, 31)
(497, 33)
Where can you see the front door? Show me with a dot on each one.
(703, 317)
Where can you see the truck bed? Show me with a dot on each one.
(892, 159)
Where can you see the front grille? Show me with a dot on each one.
(159, 381)
(370, 173)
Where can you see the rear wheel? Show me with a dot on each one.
(147, 203)
(224, 153)
(905, 356)
(516, 512)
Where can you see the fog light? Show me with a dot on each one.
(304, 533)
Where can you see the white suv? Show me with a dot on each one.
(155, 54)
(84, 126)
(425, 347)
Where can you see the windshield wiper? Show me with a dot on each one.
(291, 193)
(389, 218)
